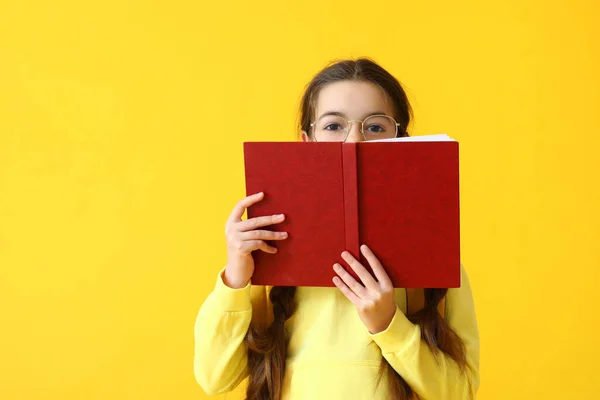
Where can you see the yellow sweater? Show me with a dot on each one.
(331, 354)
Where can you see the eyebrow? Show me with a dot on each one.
(341, 114)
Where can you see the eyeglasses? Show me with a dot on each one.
(334, 128)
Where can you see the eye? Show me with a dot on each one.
(333, 127)
(375, 129)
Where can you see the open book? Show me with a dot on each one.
(398, 196)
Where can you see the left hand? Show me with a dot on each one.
(373, 299)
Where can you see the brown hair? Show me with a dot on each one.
(267, 349)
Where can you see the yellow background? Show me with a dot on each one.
(121, 130)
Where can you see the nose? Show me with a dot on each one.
(354, 135)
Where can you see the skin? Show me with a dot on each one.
(373, 296)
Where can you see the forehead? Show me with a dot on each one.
(356, 99)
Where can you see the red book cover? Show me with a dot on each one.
(401, 198)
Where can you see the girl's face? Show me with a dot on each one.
(352, 100)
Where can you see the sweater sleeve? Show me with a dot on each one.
(436, 378)
(220, 352)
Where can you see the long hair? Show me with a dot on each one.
(267, 349)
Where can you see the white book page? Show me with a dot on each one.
(442, 137)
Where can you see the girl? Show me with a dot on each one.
(357, 340)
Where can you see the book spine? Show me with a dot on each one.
(349, 164)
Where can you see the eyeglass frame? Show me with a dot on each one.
(362, 125)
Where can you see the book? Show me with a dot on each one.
(398, 196)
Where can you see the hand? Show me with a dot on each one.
(373, 299)
(243, 237)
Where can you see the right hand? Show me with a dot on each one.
(243, 237)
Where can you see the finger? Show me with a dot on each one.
(247, 247)
(259, 222)
(242, 205)
(364, 275)
(349, 280)
(262, 235)
(266, 248)
(346, 291)
(382, 276)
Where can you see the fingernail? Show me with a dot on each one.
(283, 234)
